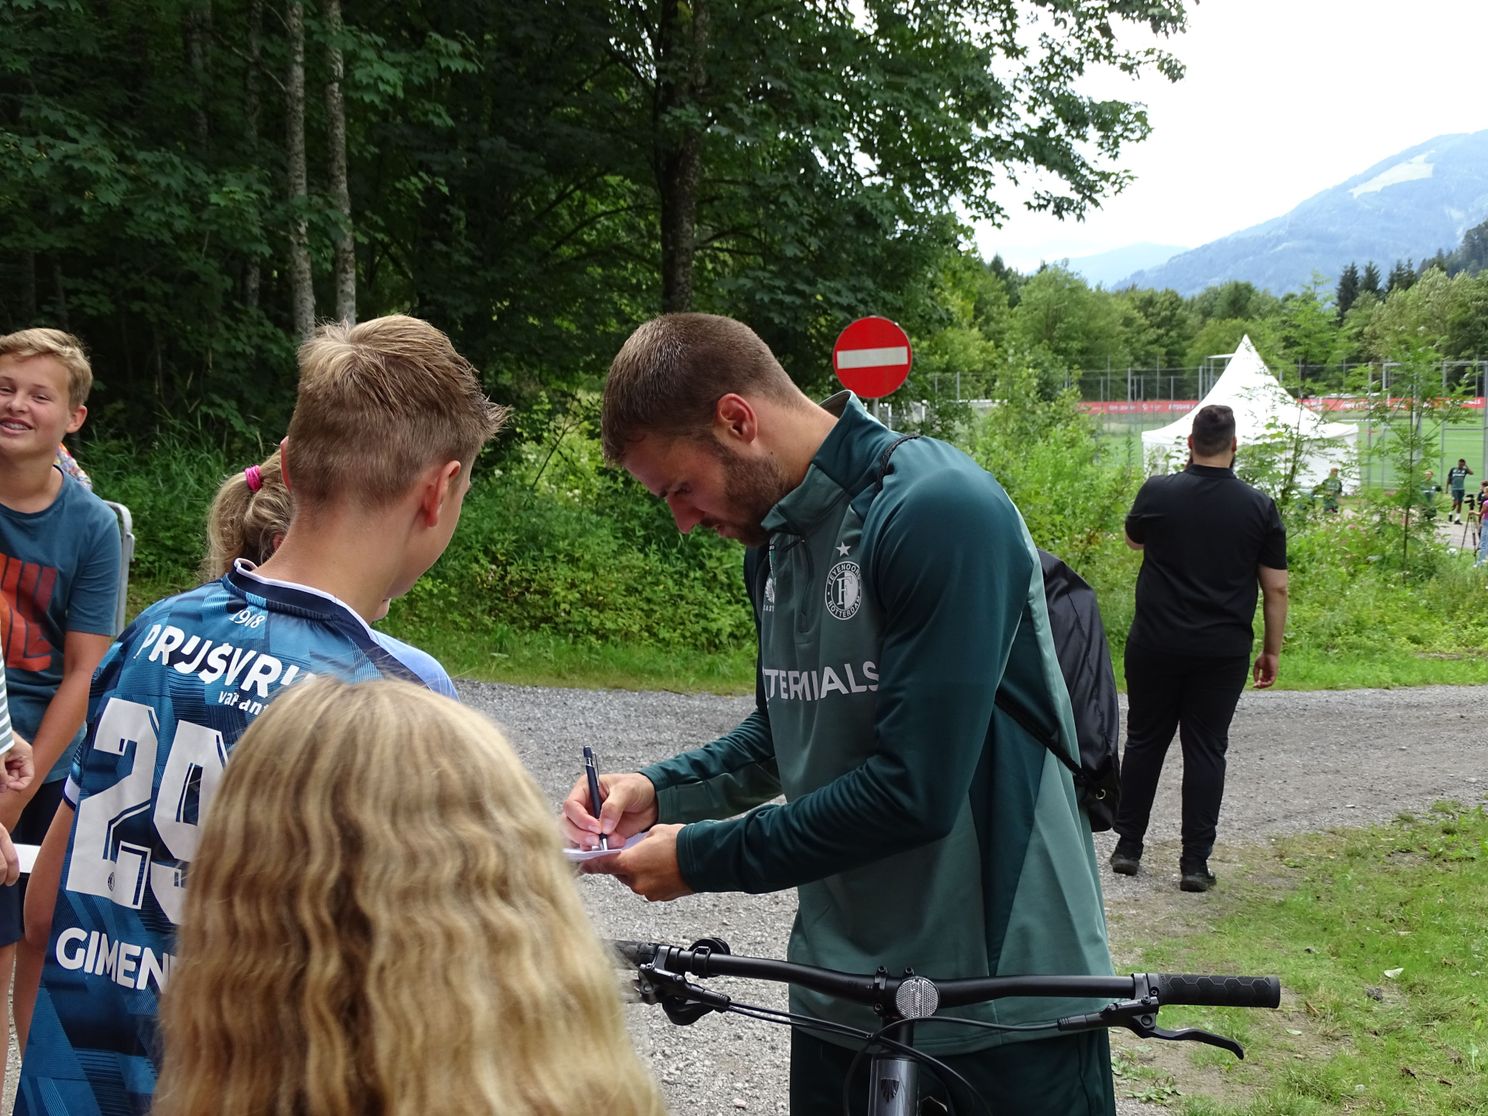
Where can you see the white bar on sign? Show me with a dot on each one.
(872, 358)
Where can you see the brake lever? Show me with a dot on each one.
(683, 1001)
(1194, 1034)
(1140, 1018)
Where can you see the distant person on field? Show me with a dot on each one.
(387, 423)
(249, 519)
(1207, 540)
(1331, 488)
(1457, 486)
(387, 926)
(1430, 490)
(59, 550)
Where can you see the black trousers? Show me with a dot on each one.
(1197, 696)
(1067, 1075)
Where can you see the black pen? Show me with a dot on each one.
(592, 774)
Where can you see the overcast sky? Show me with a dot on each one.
(1283, 98)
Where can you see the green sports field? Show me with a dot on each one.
(1464, 439)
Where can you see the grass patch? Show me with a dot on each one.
(1378, 937)
(1319, 670)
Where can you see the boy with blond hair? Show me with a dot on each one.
(386, 427)
(59, 583)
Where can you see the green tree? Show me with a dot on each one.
(1402, 275)
(1348, 289)
(1412, 415)
(1472, 254)
(1308, 332)
(1369, 282)
(1235, 299)
(941, 103)
(1078, 327)
(1160, 327)
(1223, 336)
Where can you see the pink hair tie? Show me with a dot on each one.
(254, 476)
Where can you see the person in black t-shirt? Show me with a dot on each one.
(1208, 539)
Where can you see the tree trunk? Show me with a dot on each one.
(26, 259)
(682, 37)
(64, 320)
(252, 277)
(197, 28)
(340, 194)
(302, 289)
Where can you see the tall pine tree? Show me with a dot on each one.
(1402, 276)
(1369, 282)
(1348, 289)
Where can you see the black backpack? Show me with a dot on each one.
(1085, 662)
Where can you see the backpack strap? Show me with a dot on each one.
(870, 490)
(883, 459)
(1027, 724)
(1013, 709)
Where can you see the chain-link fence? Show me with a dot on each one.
(1125, 402)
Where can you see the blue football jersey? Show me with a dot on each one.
(169, 701)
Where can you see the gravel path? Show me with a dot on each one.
(1298, 762)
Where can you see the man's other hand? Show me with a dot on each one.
(1265, 670)
(649, 867)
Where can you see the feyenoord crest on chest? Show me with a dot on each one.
(844, 590)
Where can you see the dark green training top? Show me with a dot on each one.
(922, 827)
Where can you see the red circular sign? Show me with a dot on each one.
(872, 357)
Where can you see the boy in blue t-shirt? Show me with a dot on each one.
(59, 582)
(387, 423)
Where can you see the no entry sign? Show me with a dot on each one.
(872, 357)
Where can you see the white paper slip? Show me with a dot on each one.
(576, 855)
(27, 854)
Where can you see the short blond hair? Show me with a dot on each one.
(62, 347)
(379, 402)
(246, 519)
(384, 923)
(671, 372)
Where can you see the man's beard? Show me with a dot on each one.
(752, 487)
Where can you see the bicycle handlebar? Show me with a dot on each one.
(1217, 991)
(1168, 988)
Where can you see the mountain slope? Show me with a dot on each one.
(1104, 268)
(1406, 206)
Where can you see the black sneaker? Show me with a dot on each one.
(1195, 879)
(1124, 863)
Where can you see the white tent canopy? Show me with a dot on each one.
(1263, 410)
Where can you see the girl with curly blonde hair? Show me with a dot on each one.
(380, 921)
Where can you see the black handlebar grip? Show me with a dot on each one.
(635, 953)
(1218, 991)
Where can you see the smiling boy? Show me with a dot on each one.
(59, 579)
